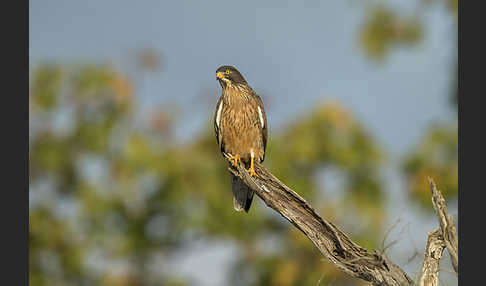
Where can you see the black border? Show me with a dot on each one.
(15, 141)
(470, 220)
(15, 193)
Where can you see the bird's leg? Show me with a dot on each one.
(237, 158)
(252, 168)
(234, 159)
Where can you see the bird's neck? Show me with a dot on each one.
(237, 94)
(238, 90)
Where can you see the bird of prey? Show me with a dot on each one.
(240, 125)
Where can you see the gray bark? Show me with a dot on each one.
(333, 244)
(339, 249)
(447, 226)
(433, 253)
(442, 237)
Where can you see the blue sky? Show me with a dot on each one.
(293, 54)
(296, 54)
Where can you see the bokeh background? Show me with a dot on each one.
(126, 182)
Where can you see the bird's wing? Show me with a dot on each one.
(218, 113)
(263, 121)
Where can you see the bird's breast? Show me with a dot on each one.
(241, 125)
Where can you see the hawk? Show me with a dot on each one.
(240, 125)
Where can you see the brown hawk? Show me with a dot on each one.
(240, 124)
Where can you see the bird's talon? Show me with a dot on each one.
(252, 172)
(234, 159)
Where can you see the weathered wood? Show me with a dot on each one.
(447, 226)
(433, 254)
(334, 244)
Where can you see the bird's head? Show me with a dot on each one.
(228, 75)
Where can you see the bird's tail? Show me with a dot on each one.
(242, 194)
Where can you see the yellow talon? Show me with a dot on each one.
(252, 169)
(234, 159)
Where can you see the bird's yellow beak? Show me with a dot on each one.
(219, 75)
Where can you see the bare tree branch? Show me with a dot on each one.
(333, 244)
(433, 254)
(447, 225)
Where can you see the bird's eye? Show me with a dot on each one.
(227, 71)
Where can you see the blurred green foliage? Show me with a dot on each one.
(110, 204)
(384, 28)
(435, 156)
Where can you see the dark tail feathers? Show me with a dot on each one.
(242, 195)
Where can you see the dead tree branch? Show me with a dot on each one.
(433, 254)
(447, 225)
(334, 244)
